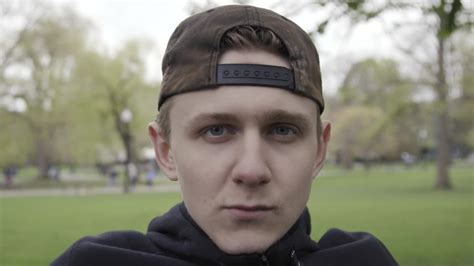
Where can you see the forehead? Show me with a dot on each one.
(253, 56)
(241, 103)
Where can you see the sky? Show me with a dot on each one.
(119, 20)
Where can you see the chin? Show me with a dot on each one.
(244, 246)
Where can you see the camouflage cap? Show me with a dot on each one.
(191, 59)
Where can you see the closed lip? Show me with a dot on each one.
(250, 208)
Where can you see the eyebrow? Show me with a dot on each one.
(205, 118)
(279, 115)
(271, 116)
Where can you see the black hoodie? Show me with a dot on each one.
(175, 239)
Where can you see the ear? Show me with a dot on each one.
(322, 147)
(163, 154)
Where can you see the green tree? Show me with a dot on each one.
(17, 19)
(115, 85)
(463, 103)
(376, 83)
(358, 134)
(441, 19)
(15, 140)
(37, 72)
(379, 84)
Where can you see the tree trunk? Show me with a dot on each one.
(442, 123)
(347, 159)
(127, 142)
(42, 153)
(126, 136)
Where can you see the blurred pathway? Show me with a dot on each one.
(86, 191)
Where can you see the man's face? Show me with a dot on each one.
(244, 156)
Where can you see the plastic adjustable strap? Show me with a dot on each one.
(252, 74)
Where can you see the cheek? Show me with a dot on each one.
(294, 168)
(297, 161)
(201, 171)
(195, 156)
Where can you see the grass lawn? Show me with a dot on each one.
(420, 226)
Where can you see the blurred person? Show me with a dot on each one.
(239, 128)
(132, 171)
(9, 174)
(54, 172)
(408, 159)
(112, 174)
(150, 174)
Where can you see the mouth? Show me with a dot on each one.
(249, 212)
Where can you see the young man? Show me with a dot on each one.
(239, 128)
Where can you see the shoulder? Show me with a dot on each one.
(109, 247)
(338, 247)
(336, 237)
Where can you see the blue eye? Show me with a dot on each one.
(282, 130)
(215, 131)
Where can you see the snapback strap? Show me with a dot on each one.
(254, 74)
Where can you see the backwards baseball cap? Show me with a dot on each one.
(192, 55)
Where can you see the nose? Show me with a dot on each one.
(251, 167)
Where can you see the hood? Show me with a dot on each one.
(178, 234)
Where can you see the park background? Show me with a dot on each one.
(79, 82)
